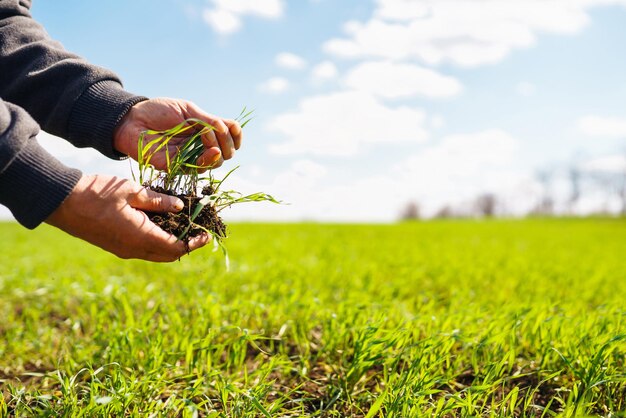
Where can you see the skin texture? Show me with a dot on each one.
(108, 211)
(163, 113)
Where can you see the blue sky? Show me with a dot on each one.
(362, 106)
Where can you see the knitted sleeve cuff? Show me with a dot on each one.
(36, 184)
(97, 113)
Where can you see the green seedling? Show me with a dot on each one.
(203, 194)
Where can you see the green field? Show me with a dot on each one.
(456, 318)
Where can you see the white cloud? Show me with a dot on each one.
(309, 169)
(463, 153)
(222, 21)
(606, 164)
(437, 121)
(342, 123)
(311, 196)
(454, 170)
(302, 175)
(458, 157)
(461, 166)
(65, 151)
(324, 71)
(464, 32)
(401, 9)
(290, 61)
(263, 8)
(5, 213)
(392, 80)
(87, 160)
(608, 127)
(225, 16)
(275, 85)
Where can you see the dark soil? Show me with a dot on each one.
(176, 223)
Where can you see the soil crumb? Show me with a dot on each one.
(177, 223)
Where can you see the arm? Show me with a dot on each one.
(65, 94)
(32, 182)
(86, 104)
(105, 211)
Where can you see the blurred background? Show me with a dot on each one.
(372, 111)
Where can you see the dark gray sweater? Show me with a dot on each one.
(43, 85)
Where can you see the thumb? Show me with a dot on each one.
(152, 201)
(210, 158)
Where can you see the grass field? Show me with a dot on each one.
(457, 318)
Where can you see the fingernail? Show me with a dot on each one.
(178, 204)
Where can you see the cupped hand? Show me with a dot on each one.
(161, 114)
(108, 212)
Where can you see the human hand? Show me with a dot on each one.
(108, 212)
(163, 113)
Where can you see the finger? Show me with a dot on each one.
(160, 245)
(227, 144)
(211, 144)
(198, 242)
(221, 132)
(166, 250)
(235, 131)
(220, 137)
(209, 139)
(151, 201)
(146, 241)
(211, 158)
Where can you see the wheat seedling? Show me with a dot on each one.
(183, 176)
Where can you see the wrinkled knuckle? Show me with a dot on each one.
(158, 202)
(135, 194)
(184, 105)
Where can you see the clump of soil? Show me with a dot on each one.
(177, 223)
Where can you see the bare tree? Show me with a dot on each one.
(575, 177)
(411, 212)
(622, 192)
(622, 186)
(485, 205)
(545, 206)
(612, 183)
(445, 212)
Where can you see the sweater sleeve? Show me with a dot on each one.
(32, 182)
(66, 95)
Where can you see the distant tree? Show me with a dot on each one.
(575, 177)
(612, 183)
(485, 205)
(622, 192)
(411, 212)
(618, 183)
(445, 212)
(545, 206)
